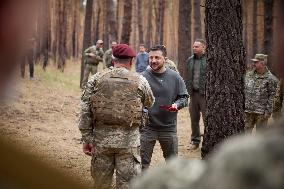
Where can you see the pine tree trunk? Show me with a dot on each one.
(197, 19)
(62, 51)
(112, 20)
(268, 26)
(254, 28)
(225, 73)
(87, 34)
(149, 24)
(49, 38)
(140, 22)
(245, 28)
(184, 33)
(126, 23)
(106, 23)
(45, 40)
(75, 29)
(160, 21)
(55, 29)
(41, 22)
(134, 25)
(97, 33)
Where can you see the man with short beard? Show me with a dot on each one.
(170, 96)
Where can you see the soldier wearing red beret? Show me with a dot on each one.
(111, 112)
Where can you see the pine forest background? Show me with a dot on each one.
(65, 27)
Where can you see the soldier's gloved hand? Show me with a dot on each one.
(88, 149)
(173, 108)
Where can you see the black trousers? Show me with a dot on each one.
(196, 108)
(168, 141)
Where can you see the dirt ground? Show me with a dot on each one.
(41, 118)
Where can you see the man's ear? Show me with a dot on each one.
(131, 61)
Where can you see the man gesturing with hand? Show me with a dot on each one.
(170, 96)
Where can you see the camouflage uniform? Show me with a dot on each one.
(110, 117)
(108, 58)
(170, 64)
(259, 93)
(278, 101)
(91, 64)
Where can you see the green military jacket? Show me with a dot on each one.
(259, 92)
(98, 52)
(202, 77)
(108, 58)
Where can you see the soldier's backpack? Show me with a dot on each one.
(116, 100)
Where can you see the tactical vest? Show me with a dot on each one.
(116, 100)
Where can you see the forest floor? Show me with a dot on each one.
(41, 116)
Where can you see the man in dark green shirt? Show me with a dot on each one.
(196, 70)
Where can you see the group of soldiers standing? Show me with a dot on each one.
(124, 113)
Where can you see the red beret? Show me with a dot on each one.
(123, 51)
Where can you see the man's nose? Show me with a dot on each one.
(154, 60)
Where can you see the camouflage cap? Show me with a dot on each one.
(123, 51)
(259, 57)
(100, 41)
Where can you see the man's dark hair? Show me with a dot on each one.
(160, 48)
(201, 41)
(122, 61)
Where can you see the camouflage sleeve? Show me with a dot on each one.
(86, 116)
(145, 92)
(105, 57)
(99, 55)
(272, 85)
(277, 103)
(108, 60)
(172, 66)
(88, 50)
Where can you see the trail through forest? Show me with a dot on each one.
(41, 117)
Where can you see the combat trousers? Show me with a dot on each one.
(254, 119)
(89, 68)
(168, 141)
(125, 161)
(197, 106)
